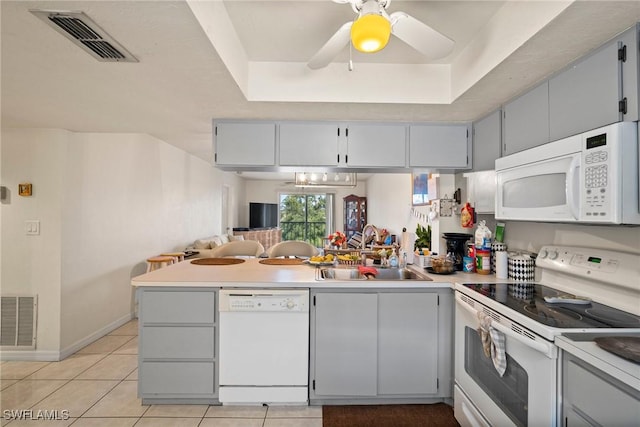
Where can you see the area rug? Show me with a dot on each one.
(435, 415)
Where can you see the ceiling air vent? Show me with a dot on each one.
(81, 30)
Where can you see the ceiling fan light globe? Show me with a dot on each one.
(370, 33)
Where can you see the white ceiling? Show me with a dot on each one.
(200, 60)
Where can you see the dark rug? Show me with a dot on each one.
(437, 414)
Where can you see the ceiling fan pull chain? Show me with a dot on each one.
(350, 60)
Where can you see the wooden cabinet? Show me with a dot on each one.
(525, 121)
(309, 144)
(380, 345)
(376, 146)
(247, 144)
(355, 214)
(177, 345)
(487, 141)
(583, 388)
(444, 146)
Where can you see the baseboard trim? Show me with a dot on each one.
(54, 356)
(95, 336)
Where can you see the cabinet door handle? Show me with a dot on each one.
(338, 158)
(346, 158)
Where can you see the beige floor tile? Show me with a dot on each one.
(122, 401)
(130, 347)
(112, 367)
(17, 370)
(105, 422)
(294, 412)
(129, 328)
(77, 396)
(237, 411)
(179, 411)
(68, 368)
(231, 422)
(42, 423)
(6, 383)
(168, 422)
(26, 393)
(106, 344)
(293, 422)
(133, 376)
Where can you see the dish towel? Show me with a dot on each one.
(493, 343)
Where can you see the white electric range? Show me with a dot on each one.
(582, 293)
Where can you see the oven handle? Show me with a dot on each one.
(548, 350)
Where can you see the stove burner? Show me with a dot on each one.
(549, 316)
(614, 318)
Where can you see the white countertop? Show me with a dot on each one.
(253, 274)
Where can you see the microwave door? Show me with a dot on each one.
(541, 191)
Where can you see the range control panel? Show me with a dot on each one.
(613, 267)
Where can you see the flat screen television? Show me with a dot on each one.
(263, 215)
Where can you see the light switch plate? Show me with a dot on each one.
(32, 227)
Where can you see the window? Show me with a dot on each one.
(306, 217)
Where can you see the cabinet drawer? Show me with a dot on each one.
(196, 378)
(585, 393)
(178, 307)
(177, 342)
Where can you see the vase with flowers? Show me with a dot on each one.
(337, 239)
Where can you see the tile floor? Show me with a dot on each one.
(98, 387)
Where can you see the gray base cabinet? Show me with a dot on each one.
(591, 397)
(177, 359)
(381, 345)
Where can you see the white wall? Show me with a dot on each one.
(106, 202)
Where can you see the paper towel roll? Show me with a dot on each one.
(407, 241)
(502, 264)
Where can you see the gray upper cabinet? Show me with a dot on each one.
(585, 96)
(376, 145)
(487, 141)
(439, 146)
(526, 120)
(309, 144)
(245, 144)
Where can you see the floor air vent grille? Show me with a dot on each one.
(18, 322)
(81, 30)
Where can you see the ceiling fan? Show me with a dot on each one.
(370, 32)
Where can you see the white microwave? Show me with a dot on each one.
(586, 178)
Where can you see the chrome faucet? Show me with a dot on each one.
(375, 231)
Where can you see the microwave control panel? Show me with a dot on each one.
(597, 177)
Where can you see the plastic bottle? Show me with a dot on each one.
(403, 259)
(393, 259)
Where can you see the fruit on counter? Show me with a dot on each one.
(349, 257)
(320, 258)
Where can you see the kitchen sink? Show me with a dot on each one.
(384, 274)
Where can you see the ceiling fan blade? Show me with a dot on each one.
(420, 36)
(331, 48)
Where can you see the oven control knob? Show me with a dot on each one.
(553, 255)
(290, 305)
(543, 253)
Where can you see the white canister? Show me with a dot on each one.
(495, 247)
(502, 264)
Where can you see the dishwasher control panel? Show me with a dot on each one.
(264, 300)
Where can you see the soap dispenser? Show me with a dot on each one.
(393, 259)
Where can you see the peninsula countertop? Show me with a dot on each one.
(252, 274)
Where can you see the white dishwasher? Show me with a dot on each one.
(264, 346)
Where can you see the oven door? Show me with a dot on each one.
(524, 396)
